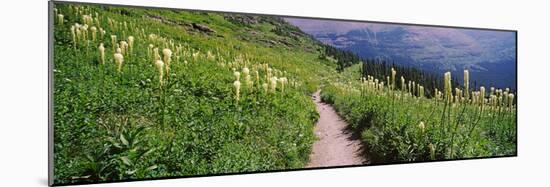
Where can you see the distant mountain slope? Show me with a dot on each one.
(489, 55)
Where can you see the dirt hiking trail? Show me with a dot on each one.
(335, 145)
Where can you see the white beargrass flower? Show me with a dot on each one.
(102, 53)
(422, 126)
(273, 84)
(388, 80)
(124, 47)
(102, 32)
(160, 68)
(237, 85)
(119, 59)
(265, 87)
(393, 81)
(87, 19)
(131, 43)
(73, 34)
(156, 54)
(113, 41)
(237, 75)
(248, 80)
(94, 31)
(60, 19)
(482, 95)
(448, 86)
(167, 54)
(466, 84)
(269, 72)
(283, 81)
(246, 71)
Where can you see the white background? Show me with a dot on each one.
(23, 94)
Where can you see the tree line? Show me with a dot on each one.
(380, 68)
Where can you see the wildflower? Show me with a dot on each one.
(466, 84)
(248, 80)
(482, 95)
(131, 43)
(87, 19)
(124, 47)
(156, 54)
(167, 53)
(246, 71)
(457, 95)
(409, 87)
(94, 30)
(389, 81)
(150, 50)
(160, 67)
(237, 75)
(283, 81)
(60, 19)
(73, 34)
(102, 32)
(393, 73)
(448, 86)
(102, 53)
(257, 76)
(237, 85)
(493, 100)
(269, 71)
(119, 59)
(273, 84)
(265, 87)
(421, 126)
(113, 41)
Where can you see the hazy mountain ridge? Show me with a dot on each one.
(434, 49)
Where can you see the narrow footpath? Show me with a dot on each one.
(335, 146)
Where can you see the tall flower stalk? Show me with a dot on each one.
(119, 59)
(466, 85)
(237, 85)
(160, 68)
(102, 53)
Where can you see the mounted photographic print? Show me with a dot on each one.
(140, 93)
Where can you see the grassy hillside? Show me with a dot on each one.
(129, 124)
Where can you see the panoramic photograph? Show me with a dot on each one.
(149, 93)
